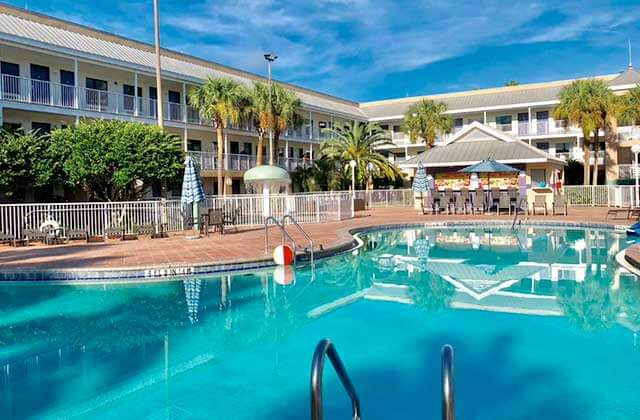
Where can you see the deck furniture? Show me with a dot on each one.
(147, 229)
(477, 201)
(559, 205)
(504, 203)
(428, 204)
(494, 199)
(540, 202)
(513, 195)
(7, 239)
(30, 235)
(448, 199)
(623, 213)
(216, 219)
(460, 204)
(115, 232)
(76, 234)
(231, 219)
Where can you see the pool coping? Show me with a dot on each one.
(348, 241)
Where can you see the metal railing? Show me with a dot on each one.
(302, 231)
(448, 398)
(242, 162)
(326, 348)
(599, 195)
(283, 233)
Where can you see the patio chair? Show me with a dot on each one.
(216, 219)
(448, 199)
(428, 204)
(232, 219)
(30, 235)
(460, 204)
(494, 199)
(148, 229)
(77, 234)
(559, 205)
(504, 203)
(513, 195)
(477, 201)
(540, 202)
(7, 239)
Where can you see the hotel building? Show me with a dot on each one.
(54, 73)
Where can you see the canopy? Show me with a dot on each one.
(192, 191)
(420, 180)
(489, 166)
(272, 174)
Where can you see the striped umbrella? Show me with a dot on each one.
(420, 180)
(192, 191)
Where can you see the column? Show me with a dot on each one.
(184, 102)
(1, 115)
(310, 126)
(76, 88)
(485, 117)
(310, 151)
(136, 100)
(332, 127)
(185, 136)
(226, 152)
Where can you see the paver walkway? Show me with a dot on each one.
(240, 246)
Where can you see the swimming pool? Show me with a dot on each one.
(542, 320)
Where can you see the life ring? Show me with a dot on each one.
(284, 275)
(283, 255)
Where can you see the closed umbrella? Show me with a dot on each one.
(192, 191)
(420, 180)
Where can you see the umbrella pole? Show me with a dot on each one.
(196, 216)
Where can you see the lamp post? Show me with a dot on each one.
(156, 20)
(353, 164)
(370, 168)
(270, 59)
(635, 149)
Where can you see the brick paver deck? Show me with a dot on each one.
(245, 245)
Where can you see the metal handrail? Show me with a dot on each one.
(515, 216)
(447, 383)
(301, 230)
(283, 232)
(326, 348)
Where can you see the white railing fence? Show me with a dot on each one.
(599, 195)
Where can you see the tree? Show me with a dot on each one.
(590, 105)
(358, 141)
(222, 101)
(425, 120)
(259, 111)
(286, 113)
(630, 112)
(26, 163)
(117, 160)
(512, 83)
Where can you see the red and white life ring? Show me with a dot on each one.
(283, 255)
(284, 275)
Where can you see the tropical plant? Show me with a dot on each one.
(589, 305)
(512, 83)
(286, 113)
(26, 162)
(591, 105)
(222, 101)
(259, 111)
(329, 175)
(357, 141)
(304, 177)
(117, 160)
(630, 112)
(425, 120)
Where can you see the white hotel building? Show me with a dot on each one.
(54, 73)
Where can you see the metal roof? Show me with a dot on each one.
(22, 27)
(477, 143)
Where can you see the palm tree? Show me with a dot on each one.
(630, 112)
(222, 101)
(286, 113)
(589, 104)
(261, 115)
(357, 141)
(425, 120)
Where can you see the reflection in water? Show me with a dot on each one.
(77, 350)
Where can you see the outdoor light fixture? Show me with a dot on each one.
(353, 164)
(635, 149)
(270, 59)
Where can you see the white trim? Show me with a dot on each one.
(472, 162)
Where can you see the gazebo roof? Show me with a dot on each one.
(478, 142)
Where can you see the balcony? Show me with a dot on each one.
(207, 161)
(627, 172)
(507, 128)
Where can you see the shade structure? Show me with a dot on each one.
(488, 166)
(270, 179)
(192, 191)
(420, 180)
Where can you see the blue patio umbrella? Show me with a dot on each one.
(488, 166)
(420, 180)
(192, 191)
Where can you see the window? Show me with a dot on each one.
(563, 147)
(10, 82)
(67, 87)
(538, 178)
(11, 127)
(543, 146)
(41, 128)
(398, 128)
(234, 147)
(194, 145)
(246, 149)
(542, 122)
(384, 126)
(97, 97)
(174, 105)
(300, 153)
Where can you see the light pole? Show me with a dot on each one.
(353, 164)
(370, 168)
(635, 149)
(156, 20)
(270, 59)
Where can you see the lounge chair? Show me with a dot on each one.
(623, 213)
(7, 239)
(513, 195)
(504, 203)
(495, 199)
(30, 235)
(460, 204)
(448, 199)
(540, 202)
(114, 232)
(77, 234)
(478, 202)
(559, 205)
(428, 204)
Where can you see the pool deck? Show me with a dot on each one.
(234, 249)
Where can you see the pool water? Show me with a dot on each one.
(543, 323)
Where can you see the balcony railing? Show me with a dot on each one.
(291, 164)
(504, 127)
(207, 161)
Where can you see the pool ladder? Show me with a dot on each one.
(516, 212)
(325, 348)
(286, 236)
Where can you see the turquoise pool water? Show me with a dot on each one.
(543, 323)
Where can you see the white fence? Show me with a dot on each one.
(599, 195)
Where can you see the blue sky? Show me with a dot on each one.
(375, 49)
